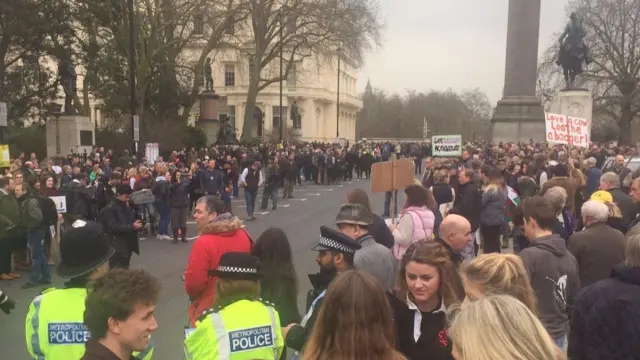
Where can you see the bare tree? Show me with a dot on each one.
(309, 28)
(613, 36)
(173, 39)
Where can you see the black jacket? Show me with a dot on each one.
(626, 205)
(117, 220)
(606, 322)
(380, 231)
(467, 204)
(179, 194)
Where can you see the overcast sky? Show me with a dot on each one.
(457, 44)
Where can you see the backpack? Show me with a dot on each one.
(49, 211)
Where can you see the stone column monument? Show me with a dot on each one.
(519, 115)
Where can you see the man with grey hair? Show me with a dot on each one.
(564, 226)
(619, 168)
(611, 183)
(599, 248)
(592, 174)
(606, 321)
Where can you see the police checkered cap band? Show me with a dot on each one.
(239, 270)
(330, 243)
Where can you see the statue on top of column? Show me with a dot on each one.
(573, 51)
(295, 116)
(68, 76)
(208, 77)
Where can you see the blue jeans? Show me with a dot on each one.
(235, 189)
(561, 342)
(164, 211)
(250, 199)
(387, 203)
(40, 270)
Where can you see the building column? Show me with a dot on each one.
(519, 116)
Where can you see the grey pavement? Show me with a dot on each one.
(300, 219)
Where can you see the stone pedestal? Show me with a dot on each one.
(296, 135)
(518, 119)
(70, 133)
(576, 103)
(211, 129)
(519, 115)
(209, 106)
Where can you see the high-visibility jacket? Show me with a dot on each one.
(55, 327)
(244, 330)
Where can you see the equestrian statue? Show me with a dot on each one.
(573, 51)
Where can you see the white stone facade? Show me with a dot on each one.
(312, 83)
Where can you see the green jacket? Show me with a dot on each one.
(9, 215)
(30, 212)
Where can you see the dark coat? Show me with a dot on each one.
(9, 216)
(96, 351)
(179, 194)
(380, 231)
(468, 203)
(598, 250)
(606, 322)
(626, 205)
(117, 219)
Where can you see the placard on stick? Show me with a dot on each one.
(391, 175)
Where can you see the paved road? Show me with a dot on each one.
(301, 220)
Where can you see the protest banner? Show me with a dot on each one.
(143, 197)
(5, 158)
(447, 145)
(151, 152)
(61, 203)
(561, 129)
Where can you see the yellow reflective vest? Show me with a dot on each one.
(55, 327)
(244, 330)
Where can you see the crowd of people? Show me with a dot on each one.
(431, 281)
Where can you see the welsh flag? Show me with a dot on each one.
(513, 200)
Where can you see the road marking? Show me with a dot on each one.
(286, 205)
(263, 213)
(241, 206)
(191, 222)
(341, 186)
(316, 194)
(303, 199)
(325, 189)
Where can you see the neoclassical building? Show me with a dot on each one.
(312, 83)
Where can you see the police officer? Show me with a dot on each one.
(336, 252)
(241, 325)
(54, 325)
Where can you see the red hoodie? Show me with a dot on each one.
(217, 238)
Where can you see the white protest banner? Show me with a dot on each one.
(447, 145)
(152, 152)
(561, 129)
(61, 203)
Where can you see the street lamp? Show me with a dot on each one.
(132, 75)
(338, 100)
(281, 79)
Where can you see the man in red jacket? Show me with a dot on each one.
(220, 233)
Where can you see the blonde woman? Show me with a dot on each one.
(492, 211)
(500, 327)
(496, 274)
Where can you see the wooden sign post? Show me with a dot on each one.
(391, 176)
